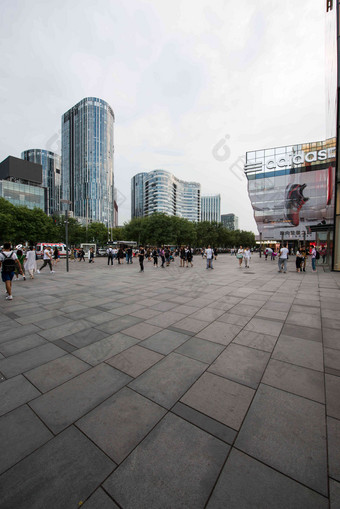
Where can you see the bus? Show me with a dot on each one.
(41, 246)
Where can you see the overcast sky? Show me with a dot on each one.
(194, 84)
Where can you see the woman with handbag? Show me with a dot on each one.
(239, 256)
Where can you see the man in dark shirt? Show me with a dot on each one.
(141, 254)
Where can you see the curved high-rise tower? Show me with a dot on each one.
(87, 160)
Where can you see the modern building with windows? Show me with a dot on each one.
(21, 183)
(51, 175)
(333, 121)
(291, 190)
(229, 221)
(211, 208)
(87, 161)
(160, 191)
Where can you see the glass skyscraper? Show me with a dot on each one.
(211, 208)
(87, 161)
(229, 221)
(51, 175)
(160, 191)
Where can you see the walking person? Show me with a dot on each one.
(298, 261)
(162, 255)
(141, 255)
(182, 256)
(21, 258)
(283, 257)
(47, 260)
(155, 257)
(90, 255)
(209, 255)
(56, 256)
(189, 257)
(129, 254)
(247, 256)
(314, 259)
(109, 255)
(31, 262)
(239, 256)
(8, 263)
(81, 255)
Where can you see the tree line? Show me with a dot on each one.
(19, 224)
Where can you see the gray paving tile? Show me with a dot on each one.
(165, 341)
(241, 364)
(118, 324)
(24, 361)
(100, 500)
(334, 494)
(190, 324)
(219, 332)
(168, 380)
(301, 352)
(207, 314)
(164, 306)
(38, 317)
(271, 314)
(333, 323)
(288, 433)
(100, 317)
(302, 332)
(296, 318)
(145, 313)
(233, 319)
(77, 469)
(333, 432)
(105, 348)
(24, 433)
(245, 309)
(85, 337)
(134, 360)
(332, 396)
(220, 399)
(246, 483)
(126, 309)
(65, 346)
(66, 329)
(65, 404)
(256, 340)
(331, 338)
(166, 318)
(18, 331)
(273, 328)
(200, 349)
(307, 310)
(57, 321)
(274, 305)
(332, 358)
(16, 392)
(141, 330)
(20, 345)
(54, 373)
(204, 422)
(296, 379)
(175, 466)
(121, 422)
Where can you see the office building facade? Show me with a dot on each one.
(51, 175)
(291, 190)
(160, 191)
(211, 208)
(333, 122)
(21, 183)
(87, 161)
(229, 221)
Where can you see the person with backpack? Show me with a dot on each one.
(109, 255)
(8, 263)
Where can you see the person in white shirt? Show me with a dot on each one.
(246, 256)
(283, 257)
(47, 260)
(31, 262)
(209, 255)
(239, 256)
(109, 255)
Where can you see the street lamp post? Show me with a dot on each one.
(66, 230)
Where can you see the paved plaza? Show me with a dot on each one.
(172, 388)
